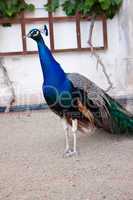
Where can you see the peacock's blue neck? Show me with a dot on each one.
(52, 72)
(56, 87)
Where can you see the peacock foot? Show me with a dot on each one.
(69, 153)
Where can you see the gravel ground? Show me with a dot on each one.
(32, 166)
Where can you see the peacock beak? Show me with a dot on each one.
(28, 35)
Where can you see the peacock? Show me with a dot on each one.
(79, 102)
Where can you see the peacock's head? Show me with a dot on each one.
(35, 34)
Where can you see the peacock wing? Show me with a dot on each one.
(97, 97)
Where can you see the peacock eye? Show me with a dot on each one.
(36, 33)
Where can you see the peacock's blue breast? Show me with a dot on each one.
(58, 96)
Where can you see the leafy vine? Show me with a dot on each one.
(11, 8)
(86, 7)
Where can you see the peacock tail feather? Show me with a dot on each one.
(122, 120)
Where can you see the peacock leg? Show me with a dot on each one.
(74, 131)
(66, 129)
(71, 152)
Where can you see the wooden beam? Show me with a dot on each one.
(23, 32)
(22, 20)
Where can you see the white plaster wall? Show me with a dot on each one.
(25, 71)
(129, 32)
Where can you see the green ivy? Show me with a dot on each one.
(86, 7)
(11, 8)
